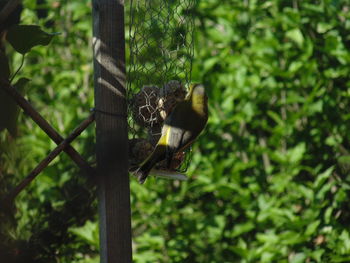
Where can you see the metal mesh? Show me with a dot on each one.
(161, 41)
(160, 51)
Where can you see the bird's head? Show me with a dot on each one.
(196, 90)
(198, 98)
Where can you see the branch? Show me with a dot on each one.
(44, 163)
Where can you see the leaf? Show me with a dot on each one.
(312, 228)
(239, 229)
(323, 27)
(323, 177)
(25, 37)
(298, 258)
(295, 66)
(296, 35)
(4, 66)
(296, 154)
(88, 232)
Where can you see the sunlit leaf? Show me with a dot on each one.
(296, 36)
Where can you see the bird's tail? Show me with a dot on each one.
(142, 172)
(146, 166)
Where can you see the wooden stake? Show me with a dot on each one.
(111, 131)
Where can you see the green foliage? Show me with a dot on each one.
(22, 38)
(61, 198)
(269, 178)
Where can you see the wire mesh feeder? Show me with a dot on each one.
(159, 68)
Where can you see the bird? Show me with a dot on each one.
(180, 129)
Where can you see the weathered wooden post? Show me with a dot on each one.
(111, 131)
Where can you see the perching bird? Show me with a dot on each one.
(180, 129)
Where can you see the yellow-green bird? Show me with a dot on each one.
(180, 129)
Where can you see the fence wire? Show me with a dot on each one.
(161, 42)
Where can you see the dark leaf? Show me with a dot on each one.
(24, 37)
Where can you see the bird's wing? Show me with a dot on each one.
(184, 125)
(187, 139)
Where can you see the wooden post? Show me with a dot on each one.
(111, 131)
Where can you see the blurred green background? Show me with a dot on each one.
(269, 177)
